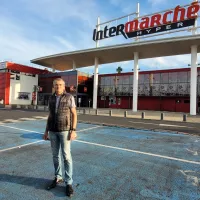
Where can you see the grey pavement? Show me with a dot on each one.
(151, 115)
(9, 115)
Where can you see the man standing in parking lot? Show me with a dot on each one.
(60, 130)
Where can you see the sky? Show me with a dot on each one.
(32, 29)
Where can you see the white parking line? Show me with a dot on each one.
(43, 133)
(139, 152)
(102, 145)
(23, 145)
(34, 132)
(20, 129)
(89, 128)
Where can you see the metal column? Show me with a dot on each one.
(135, 82)
(193, 81)
(95, 86)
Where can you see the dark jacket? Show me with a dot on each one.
(60, 121)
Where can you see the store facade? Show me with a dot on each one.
(161, 90)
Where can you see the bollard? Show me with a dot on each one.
(30, 107)
(96, 112)
(37, 107)
(46, 108)
(162, 116)
(143, 115)
(125, 114)
(184, 117)
(110, 112)
(84, 111)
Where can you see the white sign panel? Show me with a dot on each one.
(2, 65)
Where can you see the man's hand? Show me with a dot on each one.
(72, 135)
(45, 136)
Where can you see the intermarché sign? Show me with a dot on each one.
(180, 17)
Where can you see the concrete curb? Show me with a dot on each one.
(130, 127)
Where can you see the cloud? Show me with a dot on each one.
(156, 2)
(61, 10)
(116, 2)
(18, 45)
(32, 37)
(65, 43)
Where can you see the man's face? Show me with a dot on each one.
(59, 87)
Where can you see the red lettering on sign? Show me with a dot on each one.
(145, 23)
(131, 26)
(155, 20)
(165, 21)
(178, 10)
(193, 10)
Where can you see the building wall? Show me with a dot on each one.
(162, 90)
(172, 104)
(79, 84)
(21, 89)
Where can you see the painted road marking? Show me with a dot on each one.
(10, 120)
(20, 129)
(40, 117)
(161, 124)
(22, 119)
(139, 152)
(89, 128)
(111, 147)
(26, 119)
(35, 132)
(43, 133)
(21, 146)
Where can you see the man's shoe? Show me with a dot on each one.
(69, 191)
(54, 183)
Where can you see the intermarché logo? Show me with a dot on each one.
(181, 17)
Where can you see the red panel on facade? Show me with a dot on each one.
(182, 105)
(25, 69)
(148, 103)
(2, 86)
(5, 87)
(125, 103)
(168, 104)
(172, 104)
(103, 103)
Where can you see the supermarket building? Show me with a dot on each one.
(178, 19)
(166, 90)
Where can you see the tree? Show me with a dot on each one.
(119, 70)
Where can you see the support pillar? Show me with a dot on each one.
(193, 81)
(135, 82)
(95, 86)
(53, 69)
(74, 65)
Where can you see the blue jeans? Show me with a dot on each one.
(60, 142)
